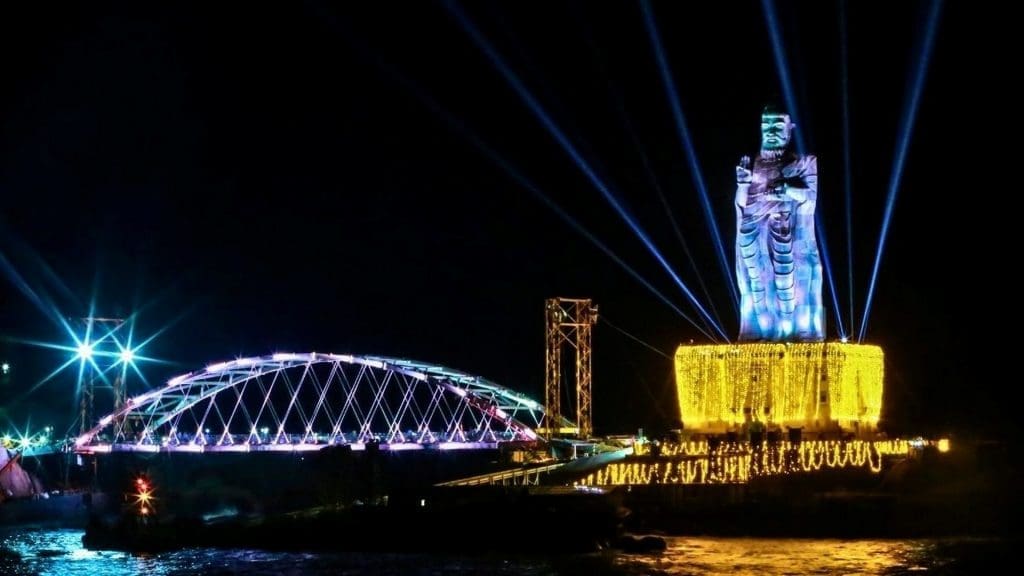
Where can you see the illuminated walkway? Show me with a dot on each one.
(739, 462)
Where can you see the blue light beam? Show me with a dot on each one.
(37, 298)
(779, 54)
(691, 154)
(579, 228)
(781, 67)
(675, 227)
(652, 179)
(828, 274)
(909, 115)
(566, 145)
(844, 78)
(526, 183)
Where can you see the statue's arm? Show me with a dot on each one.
(803, 186)
(744, 178)
(742, 192)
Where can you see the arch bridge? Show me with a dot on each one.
(306, 402)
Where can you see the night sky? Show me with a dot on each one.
(314, 177)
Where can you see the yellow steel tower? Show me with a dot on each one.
(568, 320)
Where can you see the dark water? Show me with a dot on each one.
(60, 552)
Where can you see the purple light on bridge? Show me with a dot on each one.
(177, 379)
(402, 446)
(218, 367)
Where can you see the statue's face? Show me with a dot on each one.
(776, 130)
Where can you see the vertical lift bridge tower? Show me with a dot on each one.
(96, 331)
(568, 321)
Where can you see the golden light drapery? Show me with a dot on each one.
(795, 384)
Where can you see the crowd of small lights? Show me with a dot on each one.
(794, 383)
(20, 441)
(738, 462)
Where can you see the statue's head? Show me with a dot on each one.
(776, 128)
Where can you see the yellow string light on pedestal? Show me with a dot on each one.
(798, 384)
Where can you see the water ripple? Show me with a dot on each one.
(60, 552)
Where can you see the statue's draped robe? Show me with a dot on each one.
(777, 262)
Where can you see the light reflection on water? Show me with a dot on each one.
(44, 552)
(750, 557)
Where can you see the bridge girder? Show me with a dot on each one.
(301, 402)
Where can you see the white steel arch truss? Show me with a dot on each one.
(303, 402)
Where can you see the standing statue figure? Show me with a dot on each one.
(777, 263)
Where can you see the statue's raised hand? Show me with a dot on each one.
(743, 173)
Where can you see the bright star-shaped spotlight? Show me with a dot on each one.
(85, 351)
(126, 356)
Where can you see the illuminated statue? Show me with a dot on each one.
(777, 262)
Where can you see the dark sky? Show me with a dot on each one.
(292, 177)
